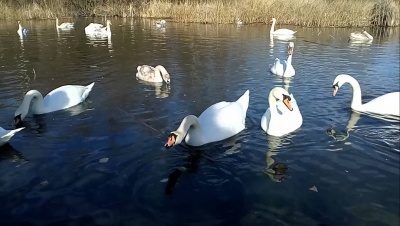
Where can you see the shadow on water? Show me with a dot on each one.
(8, 152)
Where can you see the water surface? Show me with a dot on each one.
(103, 162)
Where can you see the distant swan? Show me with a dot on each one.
(96, 29)
(218, 122)
(239, 22)
(5, 135)
(161, 23)
(64, 25)
(61, 98)
(283, 31)
(152, 74)
(284, 121)
(387, 104)
(284, 68)
(360, 36)
(21, 30)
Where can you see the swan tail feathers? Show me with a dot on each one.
(87, 90)
(244, 100)
(10, 133)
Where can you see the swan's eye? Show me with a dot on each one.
(286, 97)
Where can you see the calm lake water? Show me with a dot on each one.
(104, 162)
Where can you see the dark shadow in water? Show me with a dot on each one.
(275, 171)
(190, 164)
(8, 152)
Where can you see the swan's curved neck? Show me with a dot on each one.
(36, 98)
(160, 70)
(356, 103)
(289, 60)
(108, 29)
(271, 31)
(191, 123)
(57, 23)
(368, 35)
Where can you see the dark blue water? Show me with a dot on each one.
(104, 163)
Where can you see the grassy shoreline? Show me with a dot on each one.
(312, 13)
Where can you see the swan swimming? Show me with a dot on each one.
(64, 26)
(153, 74)
(281, 117)
(282, 31)
(21, 30)
(387, 104)
(95, 29)
(61, 98)
(6, 135)
(160, 23)
(361, 36)
(218, 122)
(284, 68)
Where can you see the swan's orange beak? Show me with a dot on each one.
(170, 141)
(335, 89)
(286, 101)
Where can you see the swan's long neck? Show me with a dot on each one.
(356, 103)
(271, 31)
(191, 123)
(163, 72)
(57, 23)
(108, 29)
(36, 98)
(289, 60)
(368, 35)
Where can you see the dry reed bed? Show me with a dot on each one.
(321, 13)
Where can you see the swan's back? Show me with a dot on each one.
(388, 104)
(279, 67)
(66, 96)
(224, 119)
(284, 31)
(93, 28)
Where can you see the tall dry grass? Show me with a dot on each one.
(322, 13)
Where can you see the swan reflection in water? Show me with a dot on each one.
(8, 152)
(276, 171)
(342, 136)
(357, 43)
(281, 39)
(161, 90)
(96, 40)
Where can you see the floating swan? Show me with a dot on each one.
(218, 122)
(388, 104)
(281, 117)
(283, 31)
(284, 68)
(21, 30)
(5, 135)
(361, 36)
(58, 99)
(153, 74)
(161, 23)
(96, 29)
(64, 26)
(239, 22)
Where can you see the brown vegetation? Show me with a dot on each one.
(322, 13)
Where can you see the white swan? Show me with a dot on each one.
(361, 36)
(153, 74)
(5, 135)
(21, 30)
(61, 98)
(239, 22)
(284, 68)
(95, 29)
(64, 26)
(161, 23)
(218, 122)
(281, 117)
(282, 31)
(388, 104)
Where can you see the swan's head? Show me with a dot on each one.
(338, 82)
(109, 22)
(19, 22)
(283, 95)
(20, 114)
(166, 78)
(273, 20)
(290, 48)
(163, 22)
(174, 138)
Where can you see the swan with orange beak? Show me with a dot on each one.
(283, 115)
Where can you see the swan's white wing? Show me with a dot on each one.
(6, 135)
(284, 31)
(388, 104)
(66, 96)
(278, 67)
(221, 120)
